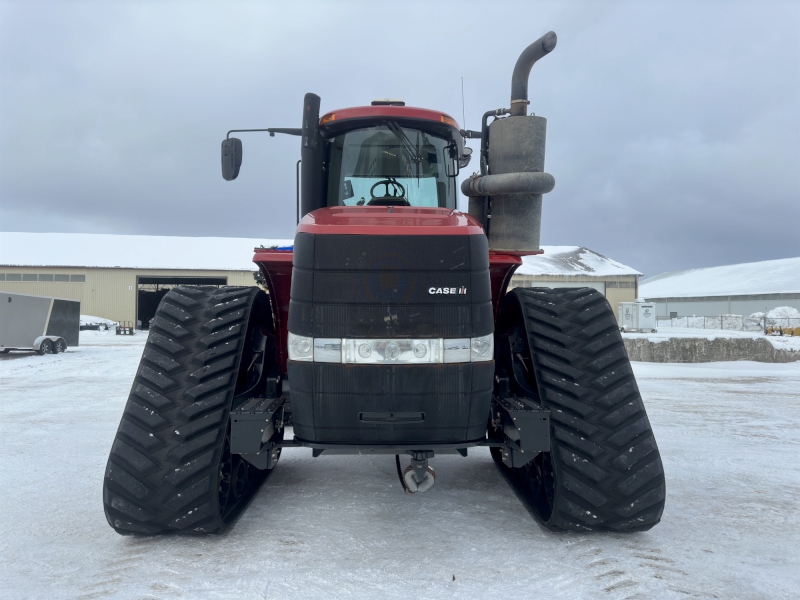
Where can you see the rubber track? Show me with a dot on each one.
(162, 472)
(608, 471)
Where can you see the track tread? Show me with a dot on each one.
(162, 469)
(608, 470)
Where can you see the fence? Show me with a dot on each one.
(729, 322)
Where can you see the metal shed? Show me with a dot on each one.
(121, 277)
(578, 266)
(741, 289)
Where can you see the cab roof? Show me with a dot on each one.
(375, 113)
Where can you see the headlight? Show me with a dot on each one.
(482, 348)
(328, 350)
(300, 347)
(391, 351)
(456, 350)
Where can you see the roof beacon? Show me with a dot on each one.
(388, 102)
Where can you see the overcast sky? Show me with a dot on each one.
(673, 128)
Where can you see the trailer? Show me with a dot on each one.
(38, 323)
(637, 316)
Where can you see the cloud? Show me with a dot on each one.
(673, 129)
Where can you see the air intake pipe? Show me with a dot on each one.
(508, 198)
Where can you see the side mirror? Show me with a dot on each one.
(451, 167)
(464, 159)
(231, 158)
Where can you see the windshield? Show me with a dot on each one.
(390, 165)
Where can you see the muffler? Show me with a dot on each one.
(507, 198)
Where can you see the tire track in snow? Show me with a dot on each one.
(635, 571)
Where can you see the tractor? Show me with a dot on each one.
(388, 328)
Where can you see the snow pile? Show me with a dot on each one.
(131, 251)
(765, 277)
(572, 260)
(783, 316)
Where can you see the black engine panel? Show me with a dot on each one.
(378, 286)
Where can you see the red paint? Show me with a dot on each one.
(501, 267)
(392, 112)
(379, 220)
(276, 266)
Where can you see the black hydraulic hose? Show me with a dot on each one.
(484, 160)
(522, 70)
(497, 112)
(400, 474)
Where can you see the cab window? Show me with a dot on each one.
(390, 165)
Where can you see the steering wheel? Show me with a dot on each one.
(397, 197)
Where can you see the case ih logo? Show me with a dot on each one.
(460, 291)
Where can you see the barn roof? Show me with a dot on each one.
(765, 277)
(572, 261)
(130, 251)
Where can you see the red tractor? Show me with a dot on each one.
(389, 329)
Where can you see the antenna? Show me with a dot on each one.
(463, 112)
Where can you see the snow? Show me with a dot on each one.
(664, 333)
(572, 260)
(783, 312)
(131, 251)
(764, 277)
(341, 527)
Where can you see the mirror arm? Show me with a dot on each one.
(272, 131)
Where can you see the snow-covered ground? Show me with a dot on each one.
(664, 333)
(341, 527)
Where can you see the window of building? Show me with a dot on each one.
(42, 277)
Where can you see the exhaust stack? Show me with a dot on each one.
(508, 198)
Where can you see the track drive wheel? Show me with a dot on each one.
(563, 349)
(170, 467)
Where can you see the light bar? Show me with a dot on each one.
(389, 351)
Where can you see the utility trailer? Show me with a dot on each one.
(389, 329)
(38, 323)
(637, 316)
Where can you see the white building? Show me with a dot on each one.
(741, 289)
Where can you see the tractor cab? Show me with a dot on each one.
(388, 154)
